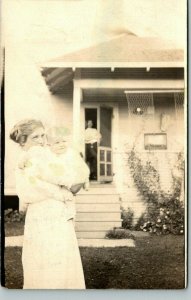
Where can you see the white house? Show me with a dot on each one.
(133, 89)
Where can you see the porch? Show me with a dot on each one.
(130, 107)
(134, 88)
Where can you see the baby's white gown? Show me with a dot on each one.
(50, 257)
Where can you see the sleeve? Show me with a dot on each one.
(45, 190)
(33, 191)
(99, 136)
(54, 173)
(23, 161)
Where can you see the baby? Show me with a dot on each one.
(57, 164)
(67, 163)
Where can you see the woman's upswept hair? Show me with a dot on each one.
(23, 129)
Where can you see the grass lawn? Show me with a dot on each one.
(156, 262)
(14, 228)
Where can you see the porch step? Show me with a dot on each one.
(98, 210)
(98, 184)
(96, 198)
(98, 216)
(98, 191)
(97, 207)
(96, 226)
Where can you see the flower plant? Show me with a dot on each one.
(165, 211)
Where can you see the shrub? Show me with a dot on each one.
(165, 211)
(11, 215)
(169, 218)
(140, 222)
(127, 217)
(119, 233)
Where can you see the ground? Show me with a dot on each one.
(14, 229)
(155, 262)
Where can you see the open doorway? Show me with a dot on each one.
(91, 141)
(98, 143)
(91, 114)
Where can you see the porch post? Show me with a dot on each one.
(76, 113)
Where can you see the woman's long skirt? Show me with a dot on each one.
(50, 257)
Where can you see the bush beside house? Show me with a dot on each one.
(165, 210)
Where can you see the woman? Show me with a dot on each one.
(50, 257)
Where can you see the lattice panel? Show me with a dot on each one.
(140, 104)
(179, 105)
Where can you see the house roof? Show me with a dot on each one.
(125, 48)
(120, 53)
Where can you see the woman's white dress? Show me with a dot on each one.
(50, 257)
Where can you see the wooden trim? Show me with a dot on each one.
(77, 74)
(115, 144)
(77, 97)
(64, 79)
(56, 73)
(45, 71)
(147, 65)
(104, 177)
(132, 84)
(154, 91)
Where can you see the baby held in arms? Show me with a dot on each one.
(66, 163)
(57, 163)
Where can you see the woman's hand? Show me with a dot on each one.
(75, 188)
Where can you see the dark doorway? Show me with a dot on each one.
(91, 146)
(91, 114)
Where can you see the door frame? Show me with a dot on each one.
(114, 126)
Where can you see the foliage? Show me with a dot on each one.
(165, 211)
(146, 178)
(119, 233)
(127, 217)
(140, 222)
(11, 215)
(168, 218)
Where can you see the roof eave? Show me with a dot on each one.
(113, 65)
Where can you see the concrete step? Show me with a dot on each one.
(91, 235)
(97, 198)
(98, 216)
(98, 207)
(96, 226)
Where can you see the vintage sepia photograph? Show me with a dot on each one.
(95, 137)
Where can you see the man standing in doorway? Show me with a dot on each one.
(92, 138)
